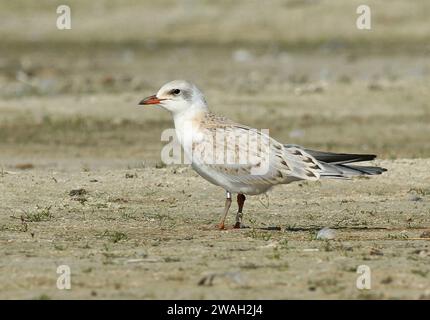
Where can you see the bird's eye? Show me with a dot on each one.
(175, 91)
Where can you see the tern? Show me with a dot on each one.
(243, 160)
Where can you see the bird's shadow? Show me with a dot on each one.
(312, 228)
(316, 228)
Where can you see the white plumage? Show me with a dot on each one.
(240, 159)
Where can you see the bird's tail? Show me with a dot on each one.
(337, 165)
(348, 171)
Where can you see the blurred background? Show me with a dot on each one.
(81, 182)
(298, 67)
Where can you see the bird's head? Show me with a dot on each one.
(177, 96)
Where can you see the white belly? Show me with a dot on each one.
(214, 177)
(191, 136)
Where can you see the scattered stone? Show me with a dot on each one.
(376, 252)
(130, 175)
(414, 197)
(425, 234)
(424, 254)
(77, 192)
(326, 234)
(387, 280)
(160, 165)
(141, 253)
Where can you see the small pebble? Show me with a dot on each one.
(326, 234)
(77, 192)
(414, 197)
(425, 234)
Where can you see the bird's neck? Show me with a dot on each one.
(188, 122)
(191, 115)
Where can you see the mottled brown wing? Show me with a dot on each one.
(245, 155)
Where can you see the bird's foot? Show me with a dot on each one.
(213, 227)
(222, 226)
(239, 225)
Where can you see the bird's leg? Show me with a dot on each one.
(240, 202)
(221, 225)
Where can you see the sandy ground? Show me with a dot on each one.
(138, 231)
(148, 233)
(81, 182)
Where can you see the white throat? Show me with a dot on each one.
(187, 123)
